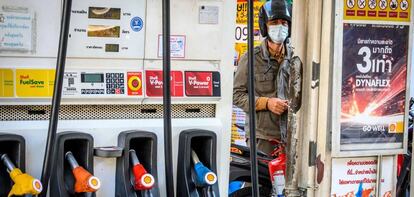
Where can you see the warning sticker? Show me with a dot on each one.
(34, 82)
(6, 83)
(134, 83)
(378, 10)
(202, 83)
(154, 83)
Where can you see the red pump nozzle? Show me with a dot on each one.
(143, 180)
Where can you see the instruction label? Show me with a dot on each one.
(34, 82)
(177, 45)
(16, 28)
(378, 10)
(208, 14)
(6, 83)
(358, 177)
(113, 29)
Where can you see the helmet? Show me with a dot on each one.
(274, 9)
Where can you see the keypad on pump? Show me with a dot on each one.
(115, 83)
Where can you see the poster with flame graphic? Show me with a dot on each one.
(374, 74)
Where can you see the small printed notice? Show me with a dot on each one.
(177, 43)
(16, 29)
(358, 177)
(209, 15)
(6, 83)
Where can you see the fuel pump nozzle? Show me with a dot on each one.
(204, 176)
(143, 180)
(24, 184)
(84, 180)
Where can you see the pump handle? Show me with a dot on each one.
(134, 157)
(71, 160)
(7, 162)
(194, 157)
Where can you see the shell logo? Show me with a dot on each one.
(94, 183)
(210, 178)
(396, 127)
(392, 128)
(147, 180)
(37, 185)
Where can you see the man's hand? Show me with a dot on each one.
(277, 106)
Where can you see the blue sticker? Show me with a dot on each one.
(137, 24)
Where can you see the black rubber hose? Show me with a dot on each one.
(166, 59)
(50, 157)
(252, 104)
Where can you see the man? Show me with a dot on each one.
(272, 65)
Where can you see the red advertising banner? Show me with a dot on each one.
(154, 83)
(202, 83)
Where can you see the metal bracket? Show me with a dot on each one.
(315, 75)
(312, 153)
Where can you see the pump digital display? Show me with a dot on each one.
(111, 47)
(92, 78)
(104, 13)
(104, 31)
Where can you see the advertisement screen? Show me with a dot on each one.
(374, 73)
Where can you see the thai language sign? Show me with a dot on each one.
(379, 10)
(240, 32)
(16, 29)
(6, 83)
(354, 177)
(374, 73)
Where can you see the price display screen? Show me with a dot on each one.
(104, 13)
(92, 78)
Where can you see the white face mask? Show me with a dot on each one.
(278, 33)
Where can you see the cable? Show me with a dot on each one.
(166, 59)
(252, 104)
(50, 157)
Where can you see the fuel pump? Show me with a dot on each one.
(84, 181)
(142, 179)
(24, 184)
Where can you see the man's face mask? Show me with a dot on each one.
(278, 33)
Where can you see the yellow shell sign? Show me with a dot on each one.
(378, 10)
(34, 82)
(6, 83)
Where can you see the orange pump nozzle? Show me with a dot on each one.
(143, 180)
(84, 181)
(23, 183)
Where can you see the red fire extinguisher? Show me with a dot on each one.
(277, 170)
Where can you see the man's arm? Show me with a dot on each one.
(240, 92)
